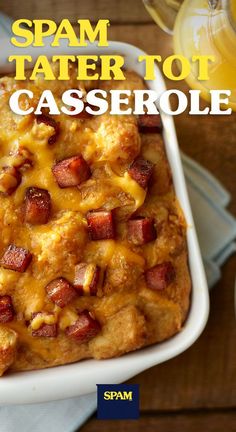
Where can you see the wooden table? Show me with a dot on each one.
(197, 390)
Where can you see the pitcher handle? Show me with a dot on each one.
(164, 12)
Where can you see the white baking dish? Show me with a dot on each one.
(81, 378)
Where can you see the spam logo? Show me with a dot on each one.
(117, 401)
(114, 395)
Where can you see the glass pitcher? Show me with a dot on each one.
(202, 27)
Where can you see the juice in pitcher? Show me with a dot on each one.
(203, 27)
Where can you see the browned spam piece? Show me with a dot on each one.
(60, 291)
(87, 278)
(7, 312)
(141, 230)
(141, 171)
(83, 115)
(22, 158)
(49, 121)
(71, 171)
(45, 330)
(149, 123)
(16, 258)
(37, 206)
(84, 329)
(160, 276)
(101, 225)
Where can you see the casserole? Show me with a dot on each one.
(81, 378)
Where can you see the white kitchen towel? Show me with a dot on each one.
(216, 231)
(60, 416)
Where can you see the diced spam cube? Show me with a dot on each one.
(16, 258)
(87, 278)
(43, 324)
(140, 171)
(37, 206)
(150, 123)
(6, 309)
(141, 230)
(71, 172)
(60, 291)
(45, 329)
(22, 158)
(10, 179)
(101, 225)
(160, 276)
(49, 121)
(84, 329)
(83, 115)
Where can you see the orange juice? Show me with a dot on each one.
(204, 30)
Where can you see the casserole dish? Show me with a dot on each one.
(81, 378)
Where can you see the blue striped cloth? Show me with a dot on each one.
(216, 232)
(215, 226)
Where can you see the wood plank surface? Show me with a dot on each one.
(114, 10)
(181, 422)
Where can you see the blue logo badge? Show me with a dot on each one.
(117, 401)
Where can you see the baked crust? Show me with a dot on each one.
(130, 314)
